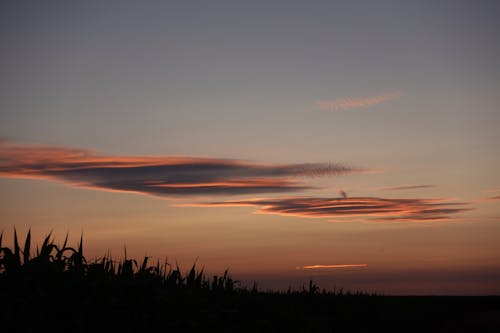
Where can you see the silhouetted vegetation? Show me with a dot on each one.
(58, 289)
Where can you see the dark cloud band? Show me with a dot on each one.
(161, 176)
(380, 209)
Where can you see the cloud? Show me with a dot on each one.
(379, 209)
(354, 103)
(333, 266)
(154, 175)
(406, 187)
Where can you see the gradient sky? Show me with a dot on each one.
(352, 142)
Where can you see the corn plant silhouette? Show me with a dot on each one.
(53, 262)
(134, 295)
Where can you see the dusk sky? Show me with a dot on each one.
(352, 142)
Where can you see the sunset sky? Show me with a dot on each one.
(352, 142)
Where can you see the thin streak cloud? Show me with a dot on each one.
(378, 209)
(406, 187)
(334, 266)
(354, 103)
(168, 176)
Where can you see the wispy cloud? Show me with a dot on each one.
(160, 176)
(405, 187)
(379, 209)
(334, 266)
(493, 194)
(356, 102)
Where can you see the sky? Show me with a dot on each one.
(354, 143)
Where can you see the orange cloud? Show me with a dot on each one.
(380, 209)
(353, 103)
(334, 266)
(155, 175)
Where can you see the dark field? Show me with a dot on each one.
(58, 290)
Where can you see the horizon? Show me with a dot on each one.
(348, 142)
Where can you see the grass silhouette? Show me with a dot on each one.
(58, 289)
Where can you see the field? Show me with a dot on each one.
(58, 289)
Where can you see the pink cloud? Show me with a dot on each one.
(357, 102)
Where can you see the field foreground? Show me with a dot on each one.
(135, 310)
(59, 290)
